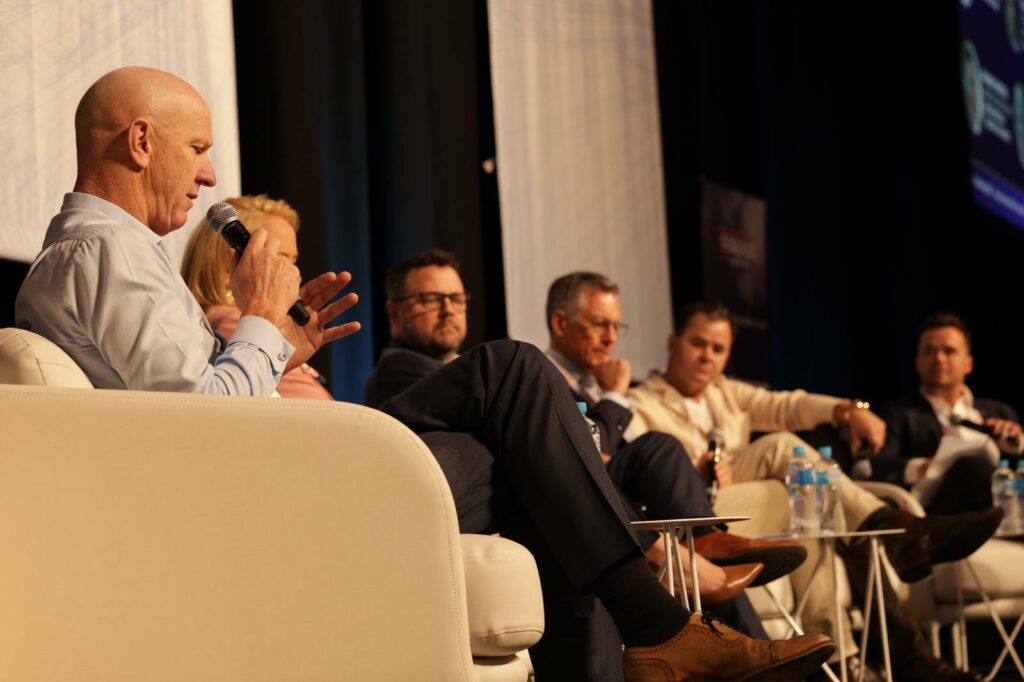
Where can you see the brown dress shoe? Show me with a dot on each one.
(707, 649)
(737, 579)
(780, 557)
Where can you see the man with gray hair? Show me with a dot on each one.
(653, 471)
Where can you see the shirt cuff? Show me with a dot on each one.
(265, 336)
(617, 398)
(912, 471)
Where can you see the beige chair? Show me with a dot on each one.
(164, 536)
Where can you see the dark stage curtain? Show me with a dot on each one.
(853, 131)
(373, 120)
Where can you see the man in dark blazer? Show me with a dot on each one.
(918, 424)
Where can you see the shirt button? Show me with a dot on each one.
(282, 357)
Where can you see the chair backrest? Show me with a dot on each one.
(164, 536)
(28, 359)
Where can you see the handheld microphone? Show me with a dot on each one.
(223, 219)
(861, 468)
(716, 442)
(1012, 441)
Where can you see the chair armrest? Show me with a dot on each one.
(503, 596)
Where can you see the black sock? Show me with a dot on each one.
(645, 613)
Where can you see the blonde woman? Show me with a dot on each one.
(205, 270)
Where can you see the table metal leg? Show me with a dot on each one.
(798, 611)
(868, 603)
(679, 568)
(960, 641)
(883, 628)
(1007, 640)
(669, 561)
(796, 628)
(829, 545)
(693, 567)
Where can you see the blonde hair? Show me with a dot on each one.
(205, 265)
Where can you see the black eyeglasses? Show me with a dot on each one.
(434, 300)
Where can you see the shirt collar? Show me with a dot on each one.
(81, 201)
(570, 367)
(964, 404)
(579, 379)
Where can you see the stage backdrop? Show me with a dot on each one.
(579, 161)
(52, 50)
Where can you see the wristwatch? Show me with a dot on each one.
(854, 404)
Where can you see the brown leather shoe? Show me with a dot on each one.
(780, 557)
(737, 579)
(707, 649)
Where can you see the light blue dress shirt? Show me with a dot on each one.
(105, 291)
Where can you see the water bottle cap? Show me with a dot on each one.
(799, 451)
(825, 451)
(582, 406)
(1003, 464)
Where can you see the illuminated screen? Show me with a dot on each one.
(991, 75)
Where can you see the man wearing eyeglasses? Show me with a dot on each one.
(585, 320)
(653, 470)
(427, 312)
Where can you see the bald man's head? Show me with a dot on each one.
(143, 138)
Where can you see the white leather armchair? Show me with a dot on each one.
(168, 537)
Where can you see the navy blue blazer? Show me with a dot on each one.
(913, 430)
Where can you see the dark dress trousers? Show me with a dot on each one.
(515, 385)
(913, 430)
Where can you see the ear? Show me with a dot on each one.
(393, 311)
(140, 142)
(671, 341)
(970, 365)
(559, 321)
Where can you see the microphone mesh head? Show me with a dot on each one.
(220, 214)
(861, 469)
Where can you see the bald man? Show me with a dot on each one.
(105, 291)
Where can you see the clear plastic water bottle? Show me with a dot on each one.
(827, 478)
(595, 432)
(1004, 495)
(803, 495)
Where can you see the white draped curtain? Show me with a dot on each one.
(52, 50)
(579, 160)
